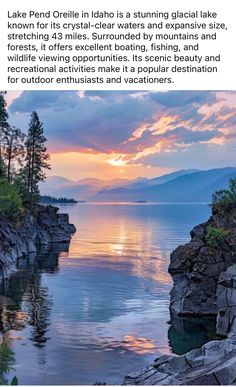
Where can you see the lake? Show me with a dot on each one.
(99, 308)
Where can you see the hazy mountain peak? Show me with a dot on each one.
(181, 185)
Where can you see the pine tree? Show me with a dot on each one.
(3, 130)
(13, 149)
(36, 158)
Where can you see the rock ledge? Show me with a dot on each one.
(45, 227)
(204, 275)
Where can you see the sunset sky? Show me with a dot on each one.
(125, 134)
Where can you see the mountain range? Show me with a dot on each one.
(83, 189)
(180, 186)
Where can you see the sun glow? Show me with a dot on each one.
(117, 161)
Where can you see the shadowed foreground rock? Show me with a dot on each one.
(18, 240)
(196, 266)
(212, 364)
(204, 277)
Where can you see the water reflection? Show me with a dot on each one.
(188, 333)
(140, 345)
(134, 238)
(6, 359)
(98, 308)
(24, 300)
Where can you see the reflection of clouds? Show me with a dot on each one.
(108, 303)
(125, 243)
(117, 248)
(139, 345)
(122, 237)
(130, 332)
(133, 330)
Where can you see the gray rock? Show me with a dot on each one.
(196, 267)
(204, 279)
(44, 228)
(226, 302)
(213, 364)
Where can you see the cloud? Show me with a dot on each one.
(173, 99)
(127, 122)
(170, 141)
(224, 117)
(34, 100)
(199, 155)
(186, 136)
(111, 94)
(76, 122)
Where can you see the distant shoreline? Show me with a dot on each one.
(47, 199)
(130, 203)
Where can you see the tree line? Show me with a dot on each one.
(23, 159)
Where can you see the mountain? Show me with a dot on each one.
(140, 182)
(195, 186)
(62, 187)
(182, 185)
(82, 189)
(144, 182)
(220, 183)
(55, 182)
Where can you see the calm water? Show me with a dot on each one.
(98, 309)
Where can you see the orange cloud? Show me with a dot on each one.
(77, 165)
(112, 133)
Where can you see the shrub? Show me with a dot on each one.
(10, 201)
(224, 199)
(6, 359)
(22, 190)
(215, 235)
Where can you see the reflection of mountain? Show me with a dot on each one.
(196, 186)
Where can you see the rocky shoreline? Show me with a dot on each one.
(24, 236)
(204, 276)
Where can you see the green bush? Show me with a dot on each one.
(6, 359)
(224, 199)
(10, 201)
(22, 190)
(215, 235)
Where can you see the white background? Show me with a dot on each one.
(225, 79)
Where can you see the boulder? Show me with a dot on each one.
(204, 277)
(196, 267)
(45, 227)
(213, 364)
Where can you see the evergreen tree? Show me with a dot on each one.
(3, 130)
(13, 149)
(36, 160)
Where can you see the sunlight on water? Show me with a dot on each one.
(98, 309)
